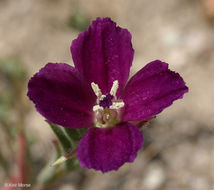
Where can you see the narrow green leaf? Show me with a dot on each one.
(82, 131)
(68, 138)
(65, 142)
(57, 148)
(75, 134)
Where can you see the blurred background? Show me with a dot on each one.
(179, 149)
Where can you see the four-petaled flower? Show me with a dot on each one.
(94, 95)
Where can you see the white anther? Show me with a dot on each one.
(117, 105)
(102, 97)
(114, 88)
(96, 89)
(97, 108)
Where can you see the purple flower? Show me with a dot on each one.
(94, 94)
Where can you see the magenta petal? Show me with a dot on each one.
(150, 90)
(103, 54)
(62, 96)
(107, 149)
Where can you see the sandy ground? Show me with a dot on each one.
(180, 154)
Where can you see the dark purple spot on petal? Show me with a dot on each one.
(107, 101)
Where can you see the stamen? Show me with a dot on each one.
(96, 89)
(114, 88)
(102, 97)
(107, 108)
(97, 108)
(117, 105)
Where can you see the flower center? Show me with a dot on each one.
(107, 111)
(106, 102)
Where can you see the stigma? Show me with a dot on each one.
(107, 110)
